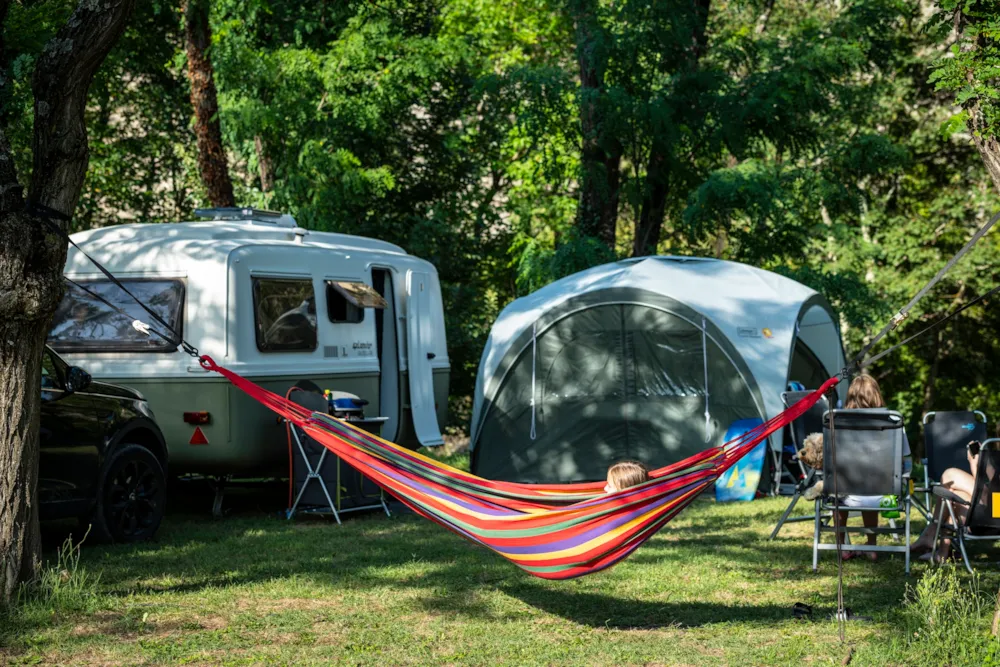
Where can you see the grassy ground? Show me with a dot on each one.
(708, 590)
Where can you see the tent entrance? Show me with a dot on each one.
(611, 382)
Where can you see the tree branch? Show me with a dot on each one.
(61, 80)
(764, 18)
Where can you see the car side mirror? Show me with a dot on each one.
(77, 379)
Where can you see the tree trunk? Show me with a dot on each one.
(204, 99)
(32, 256)
(263, 164)
(654, 202)
(601, 151)
(20, 363)
(986, 141)
(988, 147)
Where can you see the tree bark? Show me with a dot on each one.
(204, 100)
(263, 164)
(986, 143)
(601, 150)
(32, 256)
(654, 202)
(988, 147)
(653, 208)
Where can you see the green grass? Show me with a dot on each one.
(708, 590)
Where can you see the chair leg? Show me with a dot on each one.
(927, 485)
(924, 512)
(937, 529)
(786, 514)
(816, 536)
(776, 458)
(965, 555)
(906, 556)
(894, 536)
(959, 537)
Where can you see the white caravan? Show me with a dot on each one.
(271, 301)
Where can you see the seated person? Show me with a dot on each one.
(961, 484)
(624, 474)
(864, 393)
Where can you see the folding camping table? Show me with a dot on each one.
(315, 458)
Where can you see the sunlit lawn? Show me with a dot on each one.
(255, 589)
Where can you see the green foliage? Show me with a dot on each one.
(946, 620)
(818, 140)
(62, 588)
(971, 71)
(141, 149)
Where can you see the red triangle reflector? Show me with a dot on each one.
(198, 438)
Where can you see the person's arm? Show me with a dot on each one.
(973, 461)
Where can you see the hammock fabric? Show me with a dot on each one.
(553, 531)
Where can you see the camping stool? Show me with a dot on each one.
(810, 422)
(983, 519)
(869, 462)
(313, 464)
(946, 435)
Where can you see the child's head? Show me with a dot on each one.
(864, 393)
(624, 474)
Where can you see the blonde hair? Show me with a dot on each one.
(624, 474)
(864, 393)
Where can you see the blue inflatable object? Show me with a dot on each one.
(740, 482)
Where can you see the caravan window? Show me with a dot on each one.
(284, 314)
(88, 320)
(346, 301)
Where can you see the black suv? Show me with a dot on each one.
(103, 458)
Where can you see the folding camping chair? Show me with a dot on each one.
(315, 466)
(983, 519)
(946, 435)
(810, 422)
(868, 461)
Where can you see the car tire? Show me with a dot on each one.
(131, 496)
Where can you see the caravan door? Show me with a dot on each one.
(419, 355)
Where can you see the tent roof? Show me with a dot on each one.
(759, 311)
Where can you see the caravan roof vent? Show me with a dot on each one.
(252, 214)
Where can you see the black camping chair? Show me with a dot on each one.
(946, 435)
(867, 461)
(315, 470)
(810, 422)
(983, 520)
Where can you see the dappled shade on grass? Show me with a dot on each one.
(708, 589)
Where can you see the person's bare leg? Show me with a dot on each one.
(870, 520)
(840, 536)
(958, 482)
(925, 541)
(961, 484)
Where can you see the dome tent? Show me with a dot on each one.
(647, 358)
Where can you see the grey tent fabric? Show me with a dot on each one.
(612, 382)
(649, 358)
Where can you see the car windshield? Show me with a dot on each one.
(85, 321)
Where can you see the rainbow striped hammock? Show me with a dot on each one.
(553, 531)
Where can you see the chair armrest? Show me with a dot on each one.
(944, 493)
